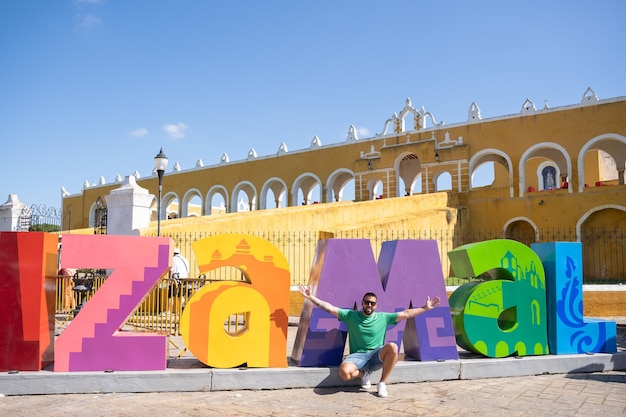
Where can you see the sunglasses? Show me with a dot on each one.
(369, 303)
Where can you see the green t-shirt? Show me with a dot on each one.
(366, 332)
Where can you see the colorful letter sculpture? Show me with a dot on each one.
(506, 316)
(568, 330)
(93, 340)
(407, 273)
(28, 271)
(263, 298)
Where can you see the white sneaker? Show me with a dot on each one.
(366, 383)
(382, 390)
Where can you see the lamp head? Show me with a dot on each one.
(160, 161)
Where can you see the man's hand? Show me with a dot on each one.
(430, 304)
(414, 312)
(305, 291)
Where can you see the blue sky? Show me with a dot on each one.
(94, 88)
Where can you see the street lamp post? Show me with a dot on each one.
(160, 165)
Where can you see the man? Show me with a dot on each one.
(179, 271)
(180, 266)
(366, 330)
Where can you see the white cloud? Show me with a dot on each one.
(176, 131)
(89, 20)
(363, 132)
(139, 132)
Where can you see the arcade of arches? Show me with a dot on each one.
(560, 168)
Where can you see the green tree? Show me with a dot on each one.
(45, 227)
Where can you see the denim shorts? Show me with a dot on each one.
(367, 361)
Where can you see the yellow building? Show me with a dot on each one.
(556, 171)
(551, 167)
(560, 168)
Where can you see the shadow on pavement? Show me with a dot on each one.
(334, 390)
(599, 377)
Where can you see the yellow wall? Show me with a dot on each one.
(378, 159)
(423, 212)
(604, 303)
(595, 303)
(505, 202)
(414, 211)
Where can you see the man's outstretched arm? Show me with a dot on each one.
(326, 306)
(409, 313)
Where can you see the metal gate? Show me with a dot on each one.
(39, 218)
(100, 223)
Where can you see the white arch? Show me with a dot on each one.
(476, 159)
(216, 189)
(530, 151)
(396, 167)
(585, 149)
(268, 186)
(436, 179)
(190, 194)
(372, 184)
(248, 188)
(541, 167)
(166, 200)
(297, 183)
(521, 219)
(338, 174)
(589, 212)
(417, 182)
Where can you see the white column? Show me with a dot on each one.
(128, 208)
(10, 214)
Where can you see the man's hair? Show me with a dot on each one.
(370, 294)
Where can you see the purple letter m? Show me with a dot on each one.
(407, 272)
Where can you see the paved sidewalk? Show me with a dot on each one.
(594, 394)
(556, 385)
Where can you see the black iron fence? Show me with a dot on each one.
(160, 310)
(604, 256)
(604, 249)
(40, 218)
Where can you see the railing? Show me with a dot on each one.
(161, 310)
(604, 249)
(72, 293)
(39, 218)
(604, 255)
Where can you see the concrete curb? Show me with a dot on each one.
(209, 379)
